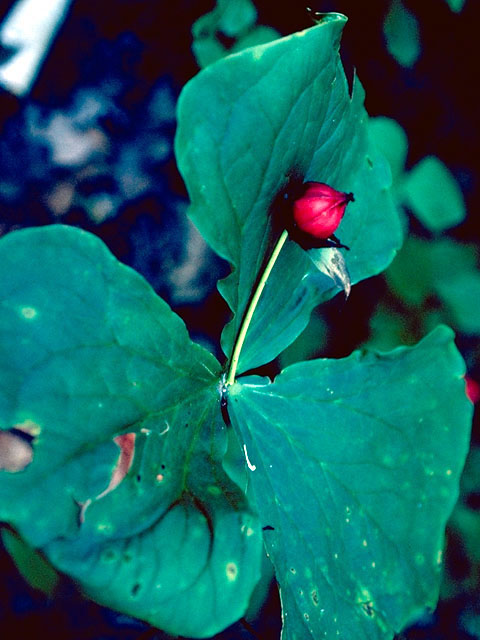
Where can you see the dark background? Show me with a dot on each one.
(115, 71)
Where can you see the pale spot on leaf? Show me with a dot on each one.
(232, 571)
(29, 313)
(16, 452)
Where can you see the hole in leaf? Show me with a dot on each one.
(368, 609)
(16, 450)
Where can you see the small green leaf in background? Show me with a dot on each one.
(444, 269)
(359, 490)
(236, 16)
(389, 328)
(392, 141)
(402, 34)
(89, 352)
(32, 566)
(434, 196)
(456, 5)
(245, 124)
(234, 19)
(461, 296)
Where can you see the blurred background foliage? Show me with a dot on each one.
(90, 144)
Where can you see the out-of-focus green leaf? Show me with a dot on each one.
(392, 141)
(456, 5)
(388, 329)
(207, 51)
(434, 196)
(460, 294)
(234, 19)
(402, 34)
(422, 264)
(359, 490)
(247, 122)
(32, 566)
(88, 353)
(236, 16)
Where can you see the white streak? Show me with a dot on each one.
(29, 28)
(251, 466)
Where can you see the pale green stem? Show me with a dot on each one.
(252, 306)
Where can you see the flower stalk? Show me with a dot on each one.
(252, 306)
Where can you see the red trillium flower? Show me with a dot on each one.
(319, 211)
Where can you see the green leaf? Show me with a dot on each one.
(33, 567)
(422, 264)
(359, 490)
(457, 293)
(88, 352)
(444, 269)
(233, 18)
(392, 141)
(236, 16)
(456, 5)
(245, 123)
(434, 196)
(402, 34)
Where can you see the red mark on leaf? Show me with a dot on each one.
(126, 442)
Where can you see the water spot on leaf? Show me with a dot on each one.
(28, 313)
(159, 477)
(16, 450)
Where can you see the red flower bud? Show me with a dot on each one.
(472, 389)
(320, 210)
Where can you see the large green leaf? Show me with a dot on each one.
(245, 123)
(88, 352)
(359, 489)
